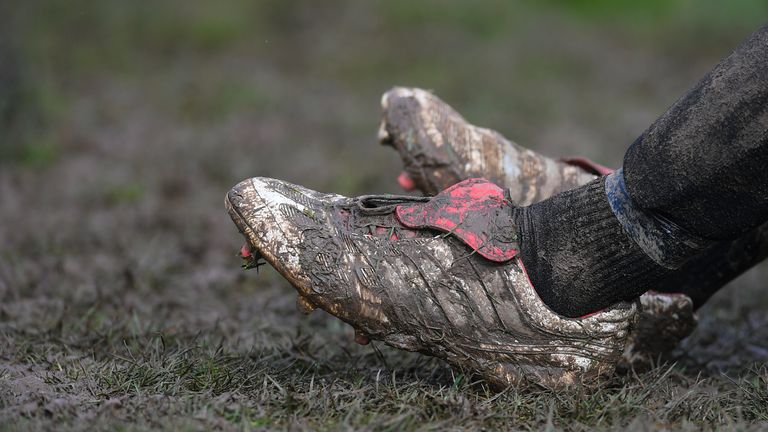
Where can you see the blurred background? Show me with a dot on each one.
(123, 124)
(217, 91)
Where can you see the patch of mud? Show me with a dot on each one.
(28, 391)
(726, 344)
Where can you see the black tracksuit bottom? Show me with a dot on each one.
(704, 166)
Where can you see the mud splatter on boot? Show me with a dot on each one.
(665, 320)
(439, 148)
(439, 276)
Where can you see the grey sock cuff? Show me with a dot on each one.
(665, 242)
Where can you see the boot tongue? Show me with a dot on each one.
(475, 211)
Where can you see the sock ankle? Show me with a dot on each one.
(579, 256)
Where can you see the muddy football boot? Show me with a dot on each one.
(665, 320)
(440, 276)
(440, 148)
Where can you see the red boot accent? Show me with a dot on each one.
(588, 165)
(245, 251)
(466, 210)
(406, 182)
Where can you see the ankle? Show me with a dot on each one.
(579, 256)
(664, 241)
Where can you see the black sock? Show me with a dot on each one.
(580, 257)
(701, 277)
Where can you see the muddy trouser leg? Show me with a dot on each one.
(703, 165)
(697, 176)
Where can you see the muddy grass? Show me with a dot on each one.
(122, 304)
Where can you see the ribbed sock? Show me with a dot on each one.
(579, 256)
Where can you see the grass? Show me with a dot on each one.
(122, 304)
(157, 379)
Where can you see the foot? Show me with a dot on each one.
(440, 276)
(439, 148)
(665, 319)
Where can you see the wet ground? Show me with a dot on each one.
(122, 303)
